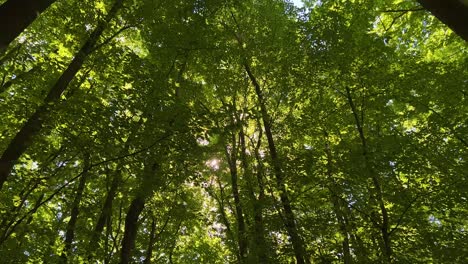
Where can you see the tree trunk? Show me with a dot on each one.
(70, 231)
(453, 13)
(224, 218)
(131, 228)
(337, 204)
(23, 139)
(152, 238)
(16, 16)
(259, 228)
(104, 215)
(290, 221)
(171, 250)
(241, 238)
(136, 207)
(384, 221)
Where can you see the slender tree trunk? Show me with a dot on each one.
(224, 218)
(241, 237)
(106, 211)
(337, 205)
(16, 16)
(70, 231)
(131, 228)
(453, 13)
(152, 239)
(384, 221)
(136, 207)
(104, 215)
(259, 229)
(109, 234)
(343, 228)
(24, 138)
(171, 251)
(290, 221)
(115, 237)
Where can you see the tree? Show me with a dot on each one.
(16, 16)
(453, 13)
(20, 143)
(235, 132)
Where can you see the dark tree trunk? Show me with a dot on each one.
(384, 221)
(131, 228)
(453, 13)
(104, 215)
(259, 228)
(290, 221)
(171, 250)
(23, 139)
(241, 238)
(136, 207)
(16, 16)
(70, 231)
(338, 205)
(224, 218)
(152, 239)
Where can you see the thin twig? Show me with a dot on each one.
(403, 10)
(112, 37)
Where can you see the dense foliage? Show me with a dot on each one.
(205, 131)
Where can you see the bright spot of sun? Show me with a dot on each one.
(213, 164)
(202, 142)
(298, 3)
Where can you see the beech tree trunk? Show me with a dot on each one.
(136, 207)
(290, 221)
(152, 239)
(24, 138)
(453, 13)
(259, 229)
(384, 221)
(131, 228)
(338, 205)
(104, 215)
(16, 16)
(221, 206)
(241, 236)
(70, 231)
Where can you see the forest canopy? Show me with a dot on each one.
(227, 131)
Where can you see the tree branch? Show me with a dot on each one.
(403, 10)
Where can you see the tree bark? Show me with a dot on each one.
(453, 13)
(338, 205)
(23, 139)
(70, 231)
(16, 16)
(259, 228)
(290, 221)
(104, 215)
(152, 239)
(224, 217)
(131, 228)
(384, 221)
(136, 207)
(241, 237)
